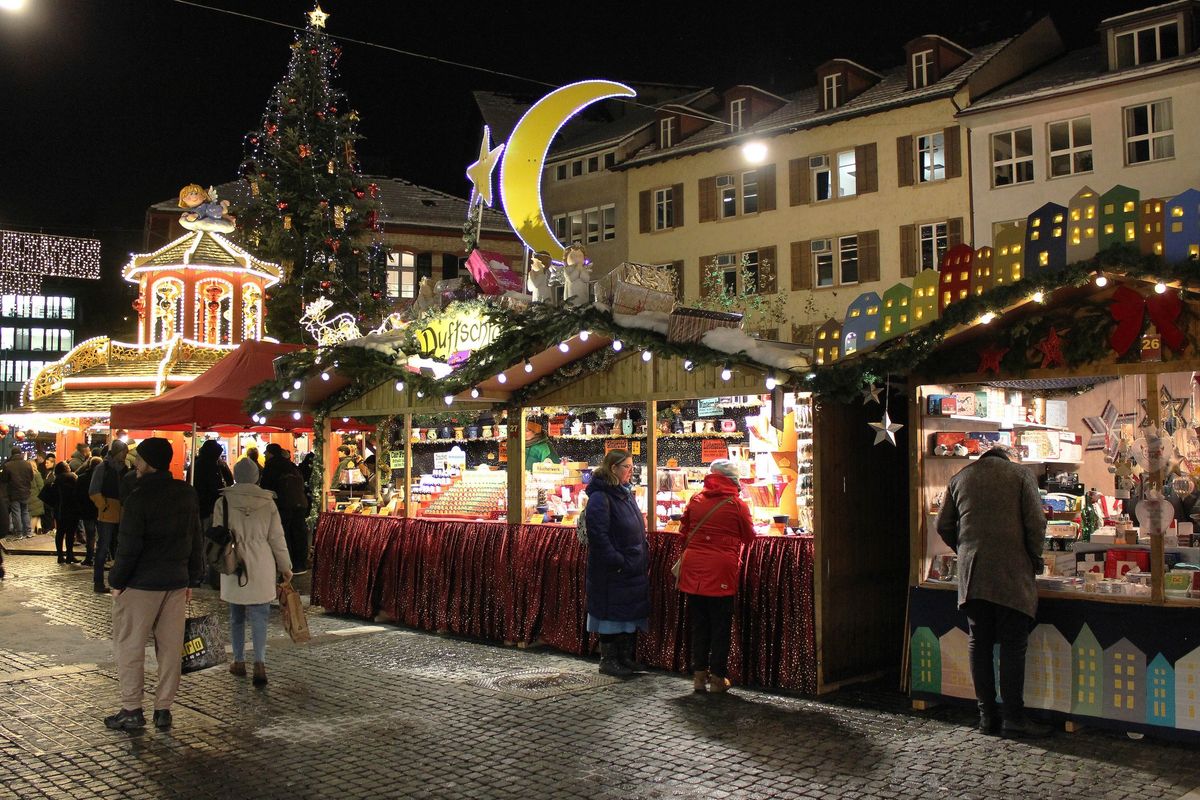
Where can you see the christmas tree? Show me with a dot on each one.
(308, 208)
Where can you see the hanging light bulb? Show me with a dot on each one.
(583, 335)
(474, 391)
(1039, 297)
(988, 317)
(267, 405)
(295, 415)
(688, 365)
(345, 419)
(1160, 287)
(528, 366)
(286, 394)
(617, 345)
(420, 393)
(449, 399)
(647, 355)
(502, 378)
(324, 376)
(296, 385)
(564, 347)
(726, 372)
(399, 386)
(771, 382)
(1101, 281)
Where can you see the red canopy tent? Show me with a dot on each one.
(213, 401)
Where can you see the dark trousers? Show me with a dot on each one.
(295, 533)
(990, 624)
(711, 620)
(65, 534)
(89, 538)
(106, 534)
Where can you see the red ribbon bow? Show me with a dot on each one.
(1129, 310)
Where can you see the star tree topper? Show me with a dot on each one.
(480, 173)
(317, 17)
(885, 429)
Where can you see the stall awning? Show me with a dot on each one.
(213, 401)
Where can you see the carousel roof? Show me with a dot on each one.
(201, 249)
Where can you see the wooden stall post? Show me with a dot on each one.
(408, 453)
(330, 462)
(380, 454)
(651, 467)
(1155, 481)
(516, 467)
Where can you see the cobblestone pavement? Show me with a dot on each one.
(380, 712)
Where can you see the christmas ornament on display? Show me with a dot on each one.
(1154, 513)
(885, 429)
(1153, 449)
(870, 393)
(204, 212)
(577, 276)
(989, 358)
(1051, 348)
(540, 270)
(1122, 468)
(1171, 408)
(1129, 310)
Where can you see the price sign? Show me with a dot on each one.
(635, 448)
(708, 407)
(1152, 345)
(396, 459)
(616, 444)
(712, 449)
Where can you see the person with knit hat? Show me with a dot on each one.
(160, 556)
(105, 491)
(250, 512)
(537, 445)
(716, 526)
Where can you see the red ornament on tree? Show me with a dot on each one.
(989, 358)
(1051, 347)
(281, 205)
(304, 150)
(360, 194)
(377, 295)
(373, 188)
(272, 129)
(326, 284)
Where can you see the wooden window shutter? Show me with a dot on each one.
(953, 142)
(677, 203)
(866, 165)
(954, 231)
(645, 212)
(768, 278)
(802, 275)
(679, 282)
(904, 161)
(908, 251)
(868, 256)
(708, 199)
(799, 182)
(705, 286)
(766, 188)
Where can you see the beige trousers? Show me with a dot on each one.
(137, 614)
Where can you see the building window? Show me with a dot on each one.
(576, 168)
(736, 111)
(1070, 146)
(593, 163)
(822, 259)
(1147, 45)
(1012, 157)
(609, 221)
(1148, 132)
(592, 216)
(848, 259)
(575, 226)
(931, 157)
(834, 86)
(726, 267)
(921, 62)
(401, 275)
(560, 228)
(847, 182)
(664, 209)
(727, 196)
(750, 192)
(666, 132)
(750, 272)
(933, 243)
(610, 160)
(560, 172)
(738, 273)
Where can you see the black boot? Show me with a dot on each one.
(989, 719)
(625, 644)
(126, 720)
(610, 664)
(1025, 728)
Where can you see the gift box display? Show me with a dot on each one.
(688, 325)
(632, 288)
(965, 402)
(493, 273)
(954, 443)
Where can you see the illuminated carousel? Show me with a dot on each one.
(199, 297)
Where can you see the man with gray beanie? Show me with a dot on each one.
(992, 517)
(159, 558)
(105, 491)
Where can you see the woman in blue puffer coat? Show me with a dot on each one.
(618, 562)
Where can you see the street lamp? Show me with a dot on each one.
(754, 151)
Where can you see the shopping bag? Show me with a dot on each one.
(292, 610)
(203, 646)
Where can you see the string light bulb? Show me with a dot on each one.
(617, 345)
(1039, 297)
(1101, 281)
(286, 394)
(502, 378)
(771, 381)
(726, 372)
(399, 386)
(267, 405)
(1160, 287)
(988, 317)
(420, 393)
(647, 355)
(297, 385)
(296, 415)
(474, 391)
(528, 366)
(583, 335)
(564, 347)
(449, 399)
(688, 366)
(324, 376)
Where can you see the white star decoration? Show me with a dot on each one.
(317, 17)
(480, 173)
(870, 394)
(885, 429)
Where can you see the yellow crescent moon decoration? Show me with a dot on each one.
(525, 158)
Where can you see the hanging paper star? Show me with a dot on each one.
(1170, 408)
(480, 173)
(989, 359)
(870, 393)
(885, 429)
(1051, 347)
(317, 17)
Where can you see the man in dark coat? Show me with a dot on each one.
(18, 474)
(159, 558)
(992, 517)
(281, 476)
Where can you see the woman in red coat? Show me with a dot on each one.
(718, 524)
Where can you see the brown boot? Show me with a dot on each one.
(718, 684)
(238, 668)
(700, 680)
(260, 674)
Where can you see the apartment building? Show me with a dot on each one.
(1124, 112)
(861, 179)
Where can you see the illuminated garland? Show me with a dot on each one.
(27, 258)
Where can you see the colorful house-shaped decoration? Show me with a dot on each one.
(926, 662)
(1087, 670)
(893, 317)
(1150, 226)
(1182, 220)
(955, 281)
(981, 271)
(956, 665)
(1083, 225)
(1187, 691)
(1045, 240)
(1048, 670)
(1160, 692)
(1125, 682)
(860, 331)
(924, 298)
(1119, 216)
(1008, 262)
(827, 344)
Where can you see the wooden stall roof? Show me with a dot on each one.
(631, 380)
(384, 400)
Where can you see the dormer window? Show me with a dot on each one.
(737, 110)
(1147, 45)
(666, 132)
(834, 90)
(922, 66)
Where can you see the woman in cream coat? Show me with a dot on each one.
(259, 533)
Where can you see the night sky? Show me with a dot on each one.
(111, 105)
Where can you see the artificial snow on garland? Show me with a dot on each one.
(733, 340)
(657, 321)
